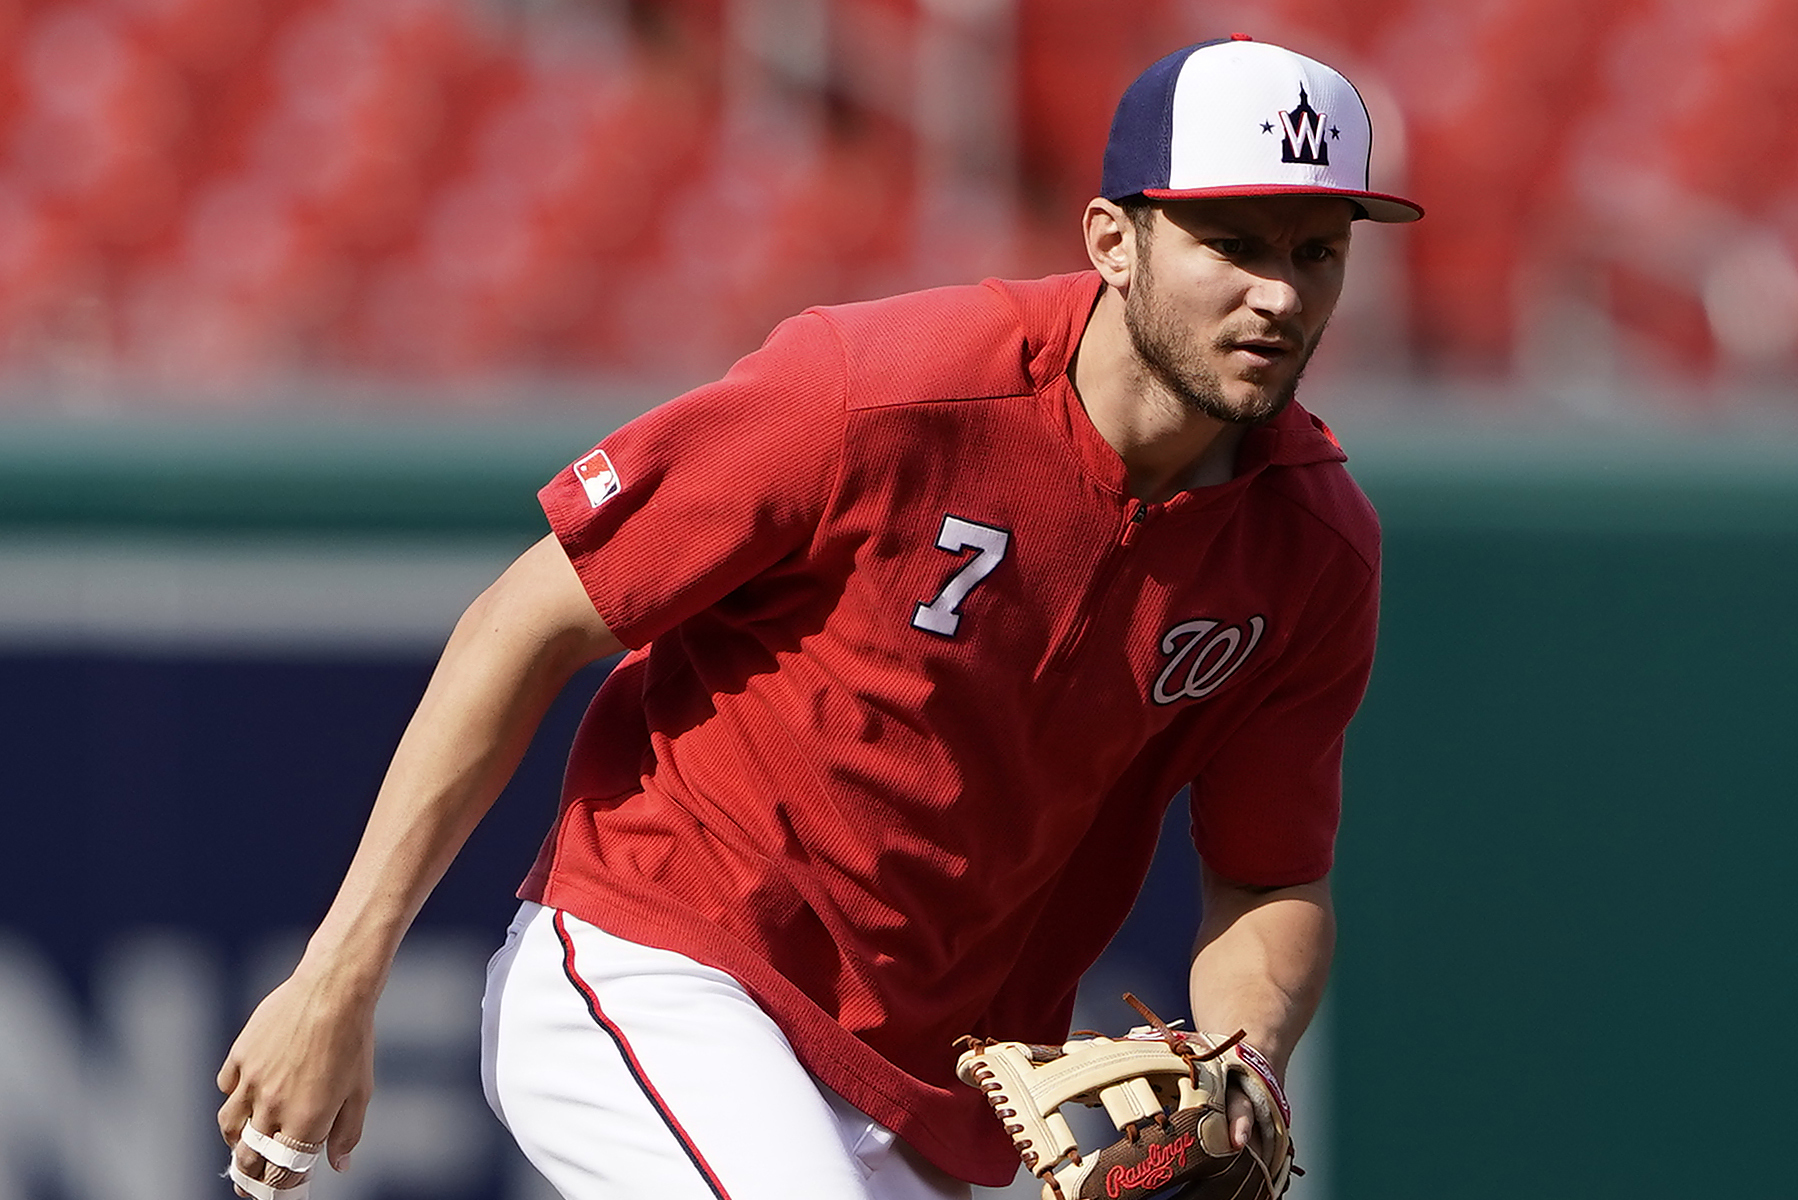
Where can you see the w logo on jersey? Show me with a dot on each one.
(1304, 130)
(1204, 654)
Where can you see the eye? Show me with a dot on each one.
(1315, 252)
(1230, 247)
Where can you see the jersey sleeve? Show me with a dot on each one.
(1265, 809)
(673, 511)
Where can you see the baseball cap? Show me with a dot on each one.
(1237, 117)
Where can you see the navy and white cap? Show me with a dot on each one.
(1237, 117)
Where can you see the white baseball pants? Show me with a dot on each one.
(625, 1071)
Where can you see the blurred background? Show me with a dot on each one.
(250, 204)
(300, 300)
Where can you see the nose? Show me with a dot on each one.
(1273, 295)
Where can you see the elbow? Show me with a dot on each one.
(1225, 901)
(539, 611)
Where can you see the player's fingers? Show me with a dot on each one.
(248, 1161)
(346, 1131)
(228, 1076)
(279, 1159)
(232, 1115)
(1242, 1117)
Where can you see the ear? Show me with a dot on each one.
(1110, 242)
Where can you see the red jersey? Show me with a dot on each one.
(915, 678)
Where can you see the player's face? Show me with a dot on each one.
(1229, 297)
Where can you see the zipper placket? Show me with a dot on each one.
(1094, 599)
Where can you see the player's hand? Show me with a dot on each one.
(302, 1071)
(1243, 1131)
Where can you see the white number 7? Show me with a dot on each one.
(989, 545)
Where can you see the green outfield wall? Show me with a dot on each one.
(1568, 957)
(1567, 950)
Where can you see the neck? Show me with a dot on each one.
(1165, 445)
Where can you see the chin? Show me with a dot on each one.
(1252, 404)
(1205, 387)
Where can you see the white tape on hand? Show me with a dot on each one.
(292, 1153)
(259, 1190)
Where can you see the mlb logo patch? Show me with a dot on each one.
(597, 478)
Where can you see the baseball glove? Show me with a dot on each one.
(1163, 1088)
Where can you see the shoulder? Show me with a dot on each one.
(1330, 495)
(1309, 473)
(992, 339)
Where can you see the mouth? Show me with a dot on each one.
(1261, 352)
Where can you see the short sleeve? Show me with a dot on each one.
(1266, 807)
(679, 507)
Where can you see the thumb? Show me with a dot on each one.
(1242, 1118)
(346, 1131)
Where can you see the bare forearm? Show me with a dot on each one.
(304, 1062)
(1261, 963)
(502, 668)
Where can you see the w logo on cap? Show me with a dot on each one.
(1204, 120)
(1304, 129)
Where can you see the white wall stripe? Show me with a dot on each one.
(223, 595)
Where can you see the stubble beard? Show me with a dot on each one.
(1168, 351)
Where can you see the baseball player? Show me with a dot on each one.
(928, 608)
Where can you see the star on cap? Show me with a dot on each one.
(1267, 127)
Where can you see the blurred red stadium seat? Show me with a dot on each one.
(243, 190)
